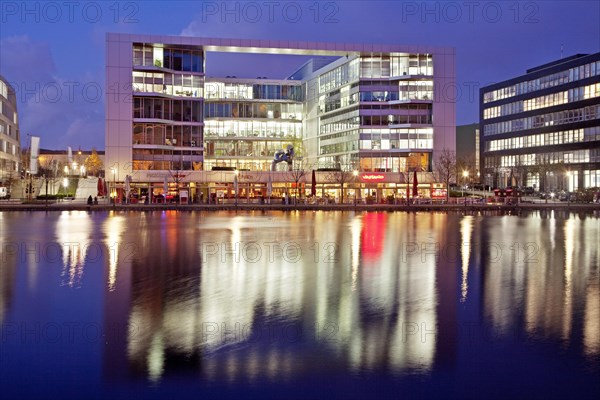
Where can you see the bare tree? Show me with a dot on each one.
(297, 173)
(560, 168)
(445, 169)
(343, 175)
(519, 171)
(413, 164)
(493, 169)
(9, 181)
(49, 170)
(543, 167)
(178, 175)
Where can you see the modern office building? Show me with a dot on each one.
(353, 107)
(467, 148)
(542, 129)
(10, 147)
(247, 121)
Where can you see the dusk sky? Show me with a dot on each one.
(53, 52)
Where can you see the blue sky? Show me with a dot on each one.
(53, 52)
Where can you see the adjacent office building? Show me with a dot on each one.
(10, 148)
(355, 107)
(542, 129)
(467, 148)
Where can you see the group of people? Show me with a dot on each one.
(93, 201)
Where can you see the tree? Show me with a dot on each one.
(543, 166)
(445, 169)
(93, 164)
(560, 168)
(9, 181)
(519, 171)
(178, 174)
(492, 169)
(413, 164)
(297, 173)
(344, 174)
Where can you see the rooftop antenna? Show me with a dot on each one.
(561, 50)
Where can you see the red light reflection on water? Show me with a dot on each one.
(373, 236)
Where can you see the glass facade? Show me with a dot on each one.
(552, 125)
(168, 107)
(10, 149)
(549, 100)
(173, 84)
(176, 59)
(247, 122)
(372, 111)
(573, 74)
(375, 111)
(543, 120)
(252, 91)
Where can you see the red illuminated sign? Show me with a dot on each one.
(372, 177)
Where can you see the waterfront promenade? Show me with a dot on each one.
(82, 205)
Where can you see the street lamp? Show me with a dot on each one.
(568, 186)
(114, 194)
(66, 185)
(235, 186)
(355, 173)
(29, 185)
(46, 182)
(465, 175)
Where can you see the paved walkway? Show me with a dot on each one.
(82, 205)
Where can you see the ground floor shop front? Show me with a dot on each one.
(285, 187)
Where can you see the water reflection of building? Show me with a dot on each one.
(7, 268)
(253, 293)
(540, 276)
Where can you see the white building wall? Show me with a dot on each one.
(444, 106)
(119, 112)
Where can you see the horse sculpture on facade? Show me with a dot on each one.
(281, 155)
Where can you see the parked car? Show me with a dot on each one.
(529, 191)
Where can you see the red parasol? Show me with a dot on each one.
(313, 186)
(415, 191)
(100, 187)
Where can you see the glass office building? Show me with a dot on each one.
(542, 129)
(10, 148)
(247, 121)
(374, 112)
(363, 107)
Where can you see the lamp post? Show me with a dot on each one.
(66, 185)
(46, 182)
(465, 175)
(568, 187)
(114, 196)
(235, 186)
(355, 173)
(29, 186)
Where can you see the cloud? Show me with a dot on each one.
(22, 60)
(62, 111)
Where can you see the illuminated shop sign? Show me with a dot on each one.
(372, 177)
